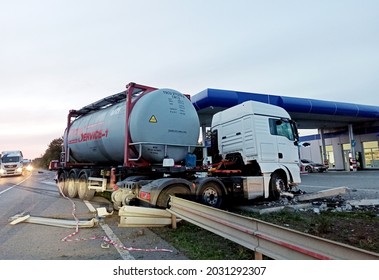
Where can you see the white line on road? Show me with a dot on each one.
(15, 185)
(125, 255)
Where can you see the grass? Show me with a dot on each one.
(358, 229)
(199, 244)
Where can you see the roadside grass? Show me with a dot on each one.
(199, 244)
(359, 229)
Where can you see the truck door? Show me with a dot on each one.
(285, 140)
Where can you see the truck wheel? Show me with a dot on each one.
(83, 192)
(62, 184)
(308, 169)
(72, 185)
(176, 190)
(211, 195)
(277, 185)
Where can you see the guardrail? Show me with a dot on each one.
(264, 238)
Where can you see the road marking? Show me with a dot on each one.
(125, 255)
(15, 185)
(6, 190)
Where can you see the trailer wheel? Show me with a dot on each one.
(175, 190)
(83, 192)
(211, 195)
(62, 183)
(72, 185)
(308, 169)
(277, 185)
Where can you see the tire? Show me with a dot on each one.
(83, 192)
(62, 184)
(72, 185)
(308, 169)
(277, 185)
(174, 190)
(211, 194)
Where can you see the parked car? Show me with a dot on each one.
(310, 166)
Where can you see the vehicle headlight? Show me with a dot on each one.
(19, 169)
(29, 168)
(2, 171)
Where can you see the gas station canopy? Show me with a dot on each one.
(308, 113)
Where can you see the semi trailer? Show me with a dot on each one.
(142, 145)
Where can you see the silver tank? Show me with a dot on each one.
(160, 117)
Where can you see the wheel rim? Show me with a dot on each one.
(210, 196)
(280, 185)
(277, 186)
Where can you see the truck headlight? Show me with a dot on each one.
(2, 171)
(19, 169)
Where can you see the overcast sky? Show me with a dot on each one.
(58, 55)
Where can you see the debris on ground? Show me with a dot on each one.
(323, 194)
(335, 199)
(26, 218)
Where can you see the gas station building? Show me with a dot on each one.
(346, 135)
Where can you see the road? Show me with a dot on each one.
(37, 195)
(363, 184)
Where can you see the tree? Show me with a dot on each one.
(52, 152)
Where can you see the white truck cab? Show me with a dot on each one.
(11, 163)
(262, 140)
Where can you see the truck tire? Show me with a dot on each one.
(62, 183)
(83, 192)
(174, 190)
(72, 184)
(211, 194)
(277, 185)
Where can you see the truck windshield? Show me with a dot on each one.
(6, 159)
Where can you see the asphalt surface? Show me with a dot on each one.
(37, 195)
(363, 184)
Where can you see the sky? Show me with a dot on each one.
(57, 55)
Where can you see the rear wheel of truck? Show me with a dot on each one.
(62, 183)
(83, 192)
(211, 195)
(175, 190)
(277, 185)
(72, 185)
